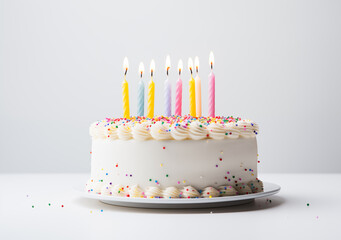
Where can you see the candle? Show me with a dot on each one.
(191, 90)
(197, 88)
(151, 91)
(125, 90)
(211, 89)
(140, 93)
(178, 97)
(168, 91)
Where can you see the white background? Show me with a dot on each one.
(277, 62)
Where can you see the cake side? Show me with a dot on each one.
(217, 157)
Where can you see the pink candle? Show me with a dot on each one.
(178, 97)
(211, 89)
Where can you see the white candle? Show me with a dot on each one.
(168, 91)
(197, 88)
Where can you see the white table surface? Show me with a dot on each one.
(287, 216)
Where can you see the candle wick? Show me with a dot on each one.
(151, 73)
(141, 74)
(179, 71)
(211, 66)
(197, 69)
(167, 71)
(125, 73)
(191, 71)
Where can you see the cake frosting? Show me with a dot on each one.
(210, 192)
(173, 128)
(174, 157)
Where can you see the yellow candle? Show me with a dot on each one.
(192, 110)
(197, 88)
(125, 91)
(151, 92)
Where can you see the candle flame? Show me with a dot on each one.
(196, 64)
(211, 60)
(152, 67)
(168, 64)
(125, 65)
(180, 66)
(141, 68)
(190, 65)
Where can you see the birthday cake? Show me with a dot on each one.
(174, 157)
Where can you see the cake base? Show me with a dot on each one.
(182, 203)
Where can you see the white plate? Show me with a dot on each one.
(269, 189)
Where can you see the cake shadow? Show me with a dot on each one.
(255, 205)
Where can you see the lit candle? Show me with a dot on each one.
(125, 90)
(140, 93)
(191, 90)
(197, 88)
(211, 88)
(178, 97)
(168, 91)
(151, 91)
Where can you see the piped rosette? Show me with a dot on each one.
(247, 128)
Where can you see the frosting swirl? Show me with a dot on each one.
(179, 131)
(227, 191)
(97, 130)
(135, 191)
(247, 128)
(190, 192)
(256, 186)
(153, 192)
(118, 190)
(124, 132)
(210, 192)
(141, 132)
(216, 131)
(106, 190)
(197, 131)
(160, 131)
(171, 192)
(232, 131)
(97, 187)
(243, 188)
(111, 132)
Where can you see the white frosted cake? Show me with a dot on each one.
(174, 157)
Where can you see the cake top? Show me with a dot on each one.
(173, 128)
